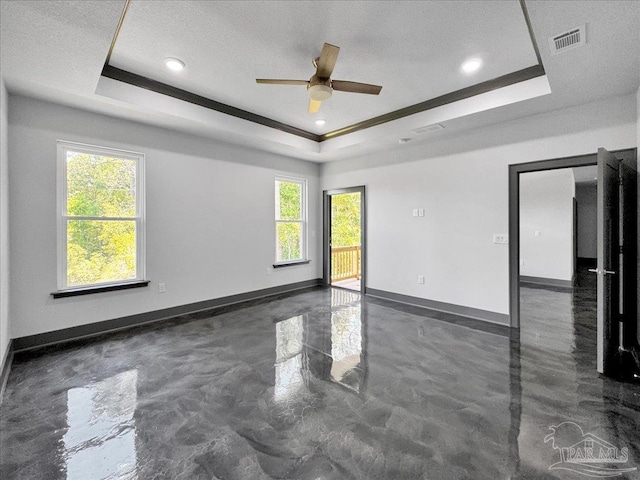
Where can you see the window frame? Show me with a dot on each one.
(304, 259)
(64, 289)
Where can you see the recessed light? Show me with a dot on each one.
(320, 122)
(471, 65)
(174, 64)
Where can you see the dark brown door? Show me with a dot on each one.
(629, 251)
(608, 267)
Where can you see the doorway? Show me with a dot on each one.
(616, 305)
(344, 238)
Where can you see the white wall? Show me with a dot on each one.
(587, 220)
(4, 224)
(462, 182)
(203, 246)
(210, 211)
(546, 208)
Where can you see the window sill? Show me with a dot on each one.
(74, 292)
(291, 264)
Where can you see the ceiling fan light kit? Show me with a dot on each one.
(320, 87)
(319, 92)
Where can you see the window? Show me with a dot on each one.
(291, 220)
(101, 220)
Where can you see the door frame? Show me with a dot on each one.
(514, 214)
(326, 231)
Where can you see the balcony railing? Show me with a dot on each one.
(345, 263)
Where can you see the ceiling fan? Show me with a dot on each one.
(321, 86)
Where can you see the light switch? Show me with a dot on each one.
(537, 233)
(500, 238)
(421, 212)
(415, 212)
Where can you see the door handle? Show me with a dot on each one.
(602, 272)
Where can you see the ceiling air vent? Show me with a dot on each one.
(573, 38)
(427, 129)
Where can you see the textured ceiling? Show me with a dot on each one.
(413, 49)
(60, 45)
(55, 50)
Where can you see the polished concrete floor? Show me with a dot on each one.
(324, 384)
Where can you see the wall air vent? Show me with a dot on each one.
(575, 37)
(427, 129)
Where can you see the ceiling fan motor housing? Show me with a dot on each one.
(319, 89)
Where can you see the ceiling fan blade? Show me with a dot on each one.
(314, 106)
(271, 81)
(327, 60)
(355, 87)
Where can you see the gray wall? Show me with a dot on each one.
(587, 213)
(209, 226)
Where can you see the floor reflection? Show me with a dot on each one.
(346, 348)
(329, 347)
(322, 383)
(100, 440)
(289, 352)
(343, 298)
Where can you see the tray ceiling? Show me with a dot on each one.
(413, 49)
(56, 51)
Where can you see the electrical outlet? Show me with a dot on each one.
(421, 212)
(421, 279)
(537, 233)
(162, 288)
(522, 263)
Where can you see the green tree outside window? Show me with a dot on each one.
(289, 220)
(100, 219)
